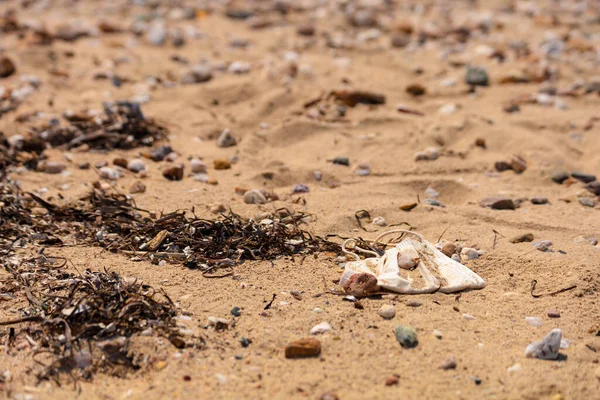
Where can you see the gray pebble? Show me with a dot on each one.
(587, 201)
(583, 177)
(547, 348)
(406, 336)
(226, 139)
(539, 200)
(477, 76)
(560, 176)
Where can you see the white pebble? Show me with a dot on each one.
(387, 311)
(471, 253)
(514, 368)
(136, 165)
(109, 173)
(320, 328)
(379, 221)
(534, 321)
(437, 334)
(197, 166)
(468, 317)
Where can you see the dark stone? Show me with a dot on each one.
(585, 178)
(477, 76)
(560, 176)
(498, 203)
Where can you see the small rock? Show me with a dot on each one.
(406, 336)
(449, 249)
(197, 74)
(109, 173)
(392, 380)
(159, 153)
(341, 161)
(433, 202)
(413, 303)
(84, 165)
(560, 176)
(379, 221)
(7, 67)
(305, 30)
(514, 368)
(245, 342)
(416, 89)
(553, 314)
(226, 139)
(51, 167)
(136, 165)
(300, 188)
(449, 363)
(518, 164)
(498, 203)
(480, 142)
(399, 40)
(321, 328)
(477, 76)
(534, 321)
(197, 166)
(594, 187)
(431, 192)
(542, 245)
(221, 164)
(361, 285)
(526, 237)
(307, 347)
(587, 201)
(387, 311)
(120, 162)
(585, 178)
(157, 34)
(437, 334)
(254, 196)
(174, 173)
(236, 311)
(218, 323)
(502, 166)
(471, 253)
(539, 200)
(430, 153)
(547, 348)
(217, 208)
(408, 207)
(329, 396)
(469, 317)
(364, 169)
(239, 67)
(137, 187)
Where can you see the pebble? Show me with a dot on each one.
(341, 161)
(399, 40)
(306, 347)
(300, 188)
(174, 173)
(430, 154)
(594, 187)
(239, 67)
(518, 164)
(449, 108)
(197, 166)
(525, 237)
(469, 317)
(433, 202)
(542, 245)
(321, 328)
(416, 89)
(413, 303)
(514, 368)
(502, 166)
(236, 311)
(137, 187)
(329, 396)
(534, 321)
(498, 203)
(449, 363)
(221, 164)
(379, 221)
(157, 34)
(305, 30)
(136, 165)
(553, 314)
(109, 173)
(547, 348)
(254, 196)
(7, 67)
(456, 258)
(51, 167)
(449, 249)
(477, 76)
(392, 380)
(226, 139)
(361, 285)
(387, 311)
(539, 200)
(471, 253)
(197, 74)
(431, 192)
(159, 153)
(364, 169)
(583, 177)
(120, 162)
(587, 201)
(245, 342)
(406, 336)
(437, 334)
(560, 176)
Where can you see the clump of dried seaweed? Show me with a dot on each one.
(113, 221)
(83, 321)
(122, 125)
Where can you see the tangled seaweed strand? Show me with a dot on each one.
(85, 320)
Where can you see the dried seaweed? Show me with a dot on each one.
(84, 321)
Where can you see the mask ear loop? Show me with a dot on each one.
(398, 231)
(354, 246)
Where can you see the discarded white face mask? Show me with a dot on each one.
(412, 266)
